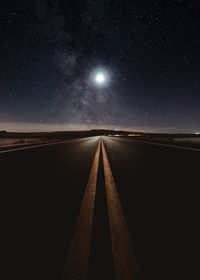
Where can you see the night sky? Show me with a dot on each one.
(148, 50)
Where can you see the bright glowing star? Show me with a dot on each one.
(100, 78)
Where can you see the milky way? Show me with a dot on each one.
(150, 50)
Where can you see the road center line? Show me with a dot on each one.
(77, 259)
(125, 263)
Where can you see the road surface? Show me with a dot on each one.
(91, 208)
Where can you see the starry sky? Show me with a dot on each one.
(149, 50)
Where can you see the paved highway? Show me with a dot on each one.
(73, 210)
(158, 188)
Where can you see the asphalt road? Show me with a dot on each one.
(158, 187)
(42, 189)
(41, 192)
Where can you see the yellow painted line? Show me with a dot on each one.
(125, 263)
(77, 259)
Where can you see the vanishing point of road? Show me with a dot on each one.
(100, 208)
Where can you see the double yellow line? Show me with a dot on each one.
(125, 263)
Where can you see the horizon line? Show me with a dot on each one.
(31, 127)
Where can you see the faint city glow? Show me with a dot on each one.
(134, 134)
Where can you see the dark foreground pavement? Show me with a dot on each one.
(158, 187)
(42, 190)
(41, 193)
